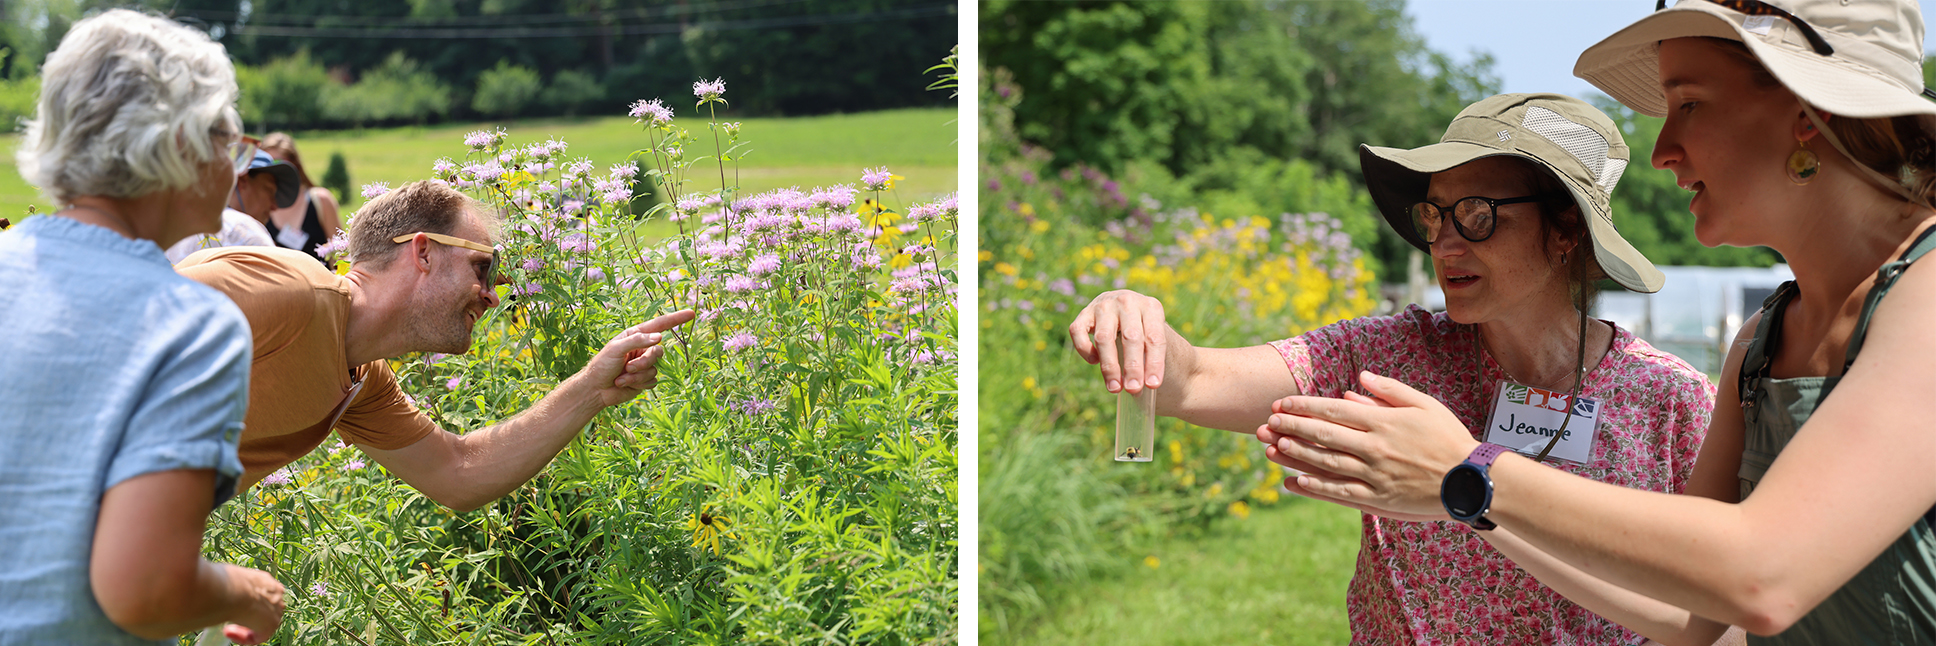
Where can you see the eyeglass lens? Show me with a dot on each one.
(1472, 216)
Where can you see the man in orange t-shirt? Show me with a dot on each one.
(321, 341)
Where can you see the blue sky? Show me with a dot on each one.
(1533, 42)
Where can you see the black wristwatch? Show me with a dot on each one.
(1467, 489)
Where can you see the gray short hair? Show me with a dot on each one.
(127, 104)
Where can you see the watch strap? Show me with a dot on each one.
(1485, 453)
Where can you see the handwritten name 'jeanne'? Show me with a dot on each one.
(1513, 426)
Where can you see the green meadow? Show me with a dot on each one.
(917, 144)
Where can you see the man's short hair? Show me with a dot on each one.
(429, 206)
(128, 105)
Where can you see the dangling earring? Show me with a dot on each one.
(1802, 164)
(1562, 259)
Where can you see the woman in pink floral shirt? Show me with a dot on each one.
(1512, 205)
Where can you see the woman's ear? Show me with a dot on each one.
(1805, 128)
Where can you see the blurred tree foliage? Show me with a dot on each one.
(780, 57)
(504, 90)
(1230, 97)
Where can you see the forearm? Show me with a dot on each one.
(1690, 552)
(161, 605)
(1226, 388)
(498, 459)
(1656, 620)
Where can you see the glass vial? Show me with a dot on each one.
(1135, 421)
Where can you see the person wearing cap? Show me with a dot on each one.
(1801, 126)
(422, 274)
(124, 385)
(1512, 205)
(264, 180)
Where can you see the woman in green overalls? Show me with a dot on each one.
(1798, 125)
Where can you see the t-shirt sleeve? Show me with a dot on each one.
(382, 417)
(1324, 362)
(190, 416)
(277, 299)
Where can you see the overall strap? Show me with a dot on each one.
(1755, 362)
(1885, 279)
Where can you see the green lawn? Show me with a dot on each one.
(1277, 577)
(918, 144)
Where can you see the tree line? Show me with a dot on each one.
(1245, 103)
(335, 63)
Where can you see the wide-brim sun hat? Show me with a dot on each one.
(1875, 69)
(1563, 135)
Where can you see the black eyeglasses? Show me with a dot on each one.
(1474, 216)
(1758, 8)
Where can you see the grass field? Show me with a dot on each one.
(1277, 577)
(918, 144)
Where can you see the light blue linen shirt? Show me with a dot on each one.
(111, 366)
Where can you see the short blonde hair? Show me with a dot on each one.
(127, 106)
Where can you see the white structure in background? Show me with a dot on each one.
(1697, 312)
(1693, 316)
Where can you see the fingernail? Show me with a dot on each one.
(1113, 385)
(1133, 385)
(652, 338)
(1155, 380)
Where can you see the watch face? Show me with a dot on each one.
(1464, 493)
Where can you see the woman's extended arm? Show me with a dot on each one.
(1226, 388)
(1816, 519)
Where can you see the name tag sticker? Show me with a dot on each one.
(1525, 418)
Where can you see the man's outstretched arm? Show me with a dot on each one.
(465, 472)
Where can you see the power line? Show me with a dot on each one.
(612, 30)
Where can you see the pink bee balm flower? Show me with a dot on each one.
(280, 477)
(533, 264)
(454, 382)
(654, 112)
(709, 90)
(374, 190)
(764, 265)
(595, 273)
(479, 140)
(876, 179)
(354, 465)
(740, 341)
(321, 589)
(737, 284)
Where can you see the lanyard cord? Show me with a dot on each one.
(1579, 380)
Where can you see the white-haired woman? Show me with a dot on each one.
(123, 383)
(1798, 127)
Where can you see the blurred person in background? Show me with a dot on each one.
(312, 219)
(124, 383)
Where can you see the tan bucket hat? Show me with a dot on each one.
(1574, 140)
(1873, 68)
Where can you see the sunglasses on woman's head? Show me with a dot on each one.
(1758, 8)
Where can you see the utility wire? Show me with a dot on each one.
(611, 30)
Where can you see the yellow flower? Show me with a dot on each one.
(706, 528)
(1005, 268)
(1027, 210)
(1038, 226)
(985, 255)
(1152, 562)
(1240, 510)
